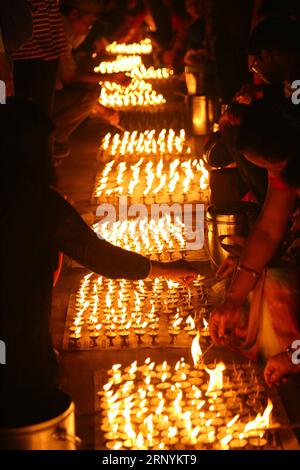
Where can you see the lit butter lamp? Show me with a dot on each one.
(156, 407)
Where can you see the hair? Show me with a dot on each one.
(67, 6)
(281, 34)
(278, 8)
(25, 150)
(271, 130)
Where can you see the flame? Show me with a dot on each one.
(196, 349)
(129, 431)
(172, 431)
(205, 323)
(225, 441)
(122, 63)
(177, 323)
(261, 421)
(137, 94)
(190, 322)
(142, 47)
(216, 378)
(233, 421)
(164, 377)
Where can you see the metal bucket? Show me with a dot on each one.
(234, 218)
(200, 114)
(57, 433)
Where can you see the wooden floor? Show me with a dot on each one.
(75, 179)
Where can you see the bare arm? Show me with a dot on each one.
(264, 240)
(258, 252)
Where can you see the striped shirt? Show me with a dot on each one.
(48, 41)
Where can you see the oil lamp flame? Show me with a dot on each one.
(190, 322)
(196, 349)
(216, 378)
(261, 421)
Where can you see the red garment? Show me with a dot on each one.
(277, 182)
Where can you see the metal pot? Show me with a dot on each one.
(200, 114)
(57, 433)
(234, 218)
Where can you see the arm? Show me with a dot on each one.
(95, 78)
(76, 239)
(264, 240)
(259, 250)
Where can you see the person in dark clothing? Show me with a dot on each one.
(280, 8)
(36, 223)
(231, 27)
(35, 64)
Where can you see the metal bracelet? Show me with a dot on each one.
(251, 271)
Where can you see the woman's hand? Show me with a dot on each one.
(227, 268)
(278, 367)
(179, 271)
(224, 320)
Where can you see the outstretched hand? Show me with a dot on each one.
(223, 321)
(179, 271)
(278, 368)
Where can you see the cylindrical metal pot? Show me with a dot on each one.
(227, 219)
(200, 114)
(57, 433)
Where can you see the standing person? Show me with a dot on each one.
(15, 31)
(35, 64)
(45, 223)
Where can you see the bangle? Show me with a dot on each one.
(251, 271)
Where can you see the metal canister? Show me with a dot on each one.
(200, 115)
(234, 218)
(57, 433)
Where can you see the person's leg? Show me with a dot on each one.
(72, 106)
(36, 80)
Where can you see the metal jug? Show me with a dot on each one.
(228, 219)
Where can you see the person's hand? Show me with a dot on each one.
(223, 321)
(228, 119)
(121, 78)
(193, 56)
(100, 44)
(168, 58)
(179, 271)
(227, 267)
(111, 116)
(277, 368)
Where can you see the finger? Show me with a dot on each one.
(213, 331)
(268, 376)
(222, 326)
